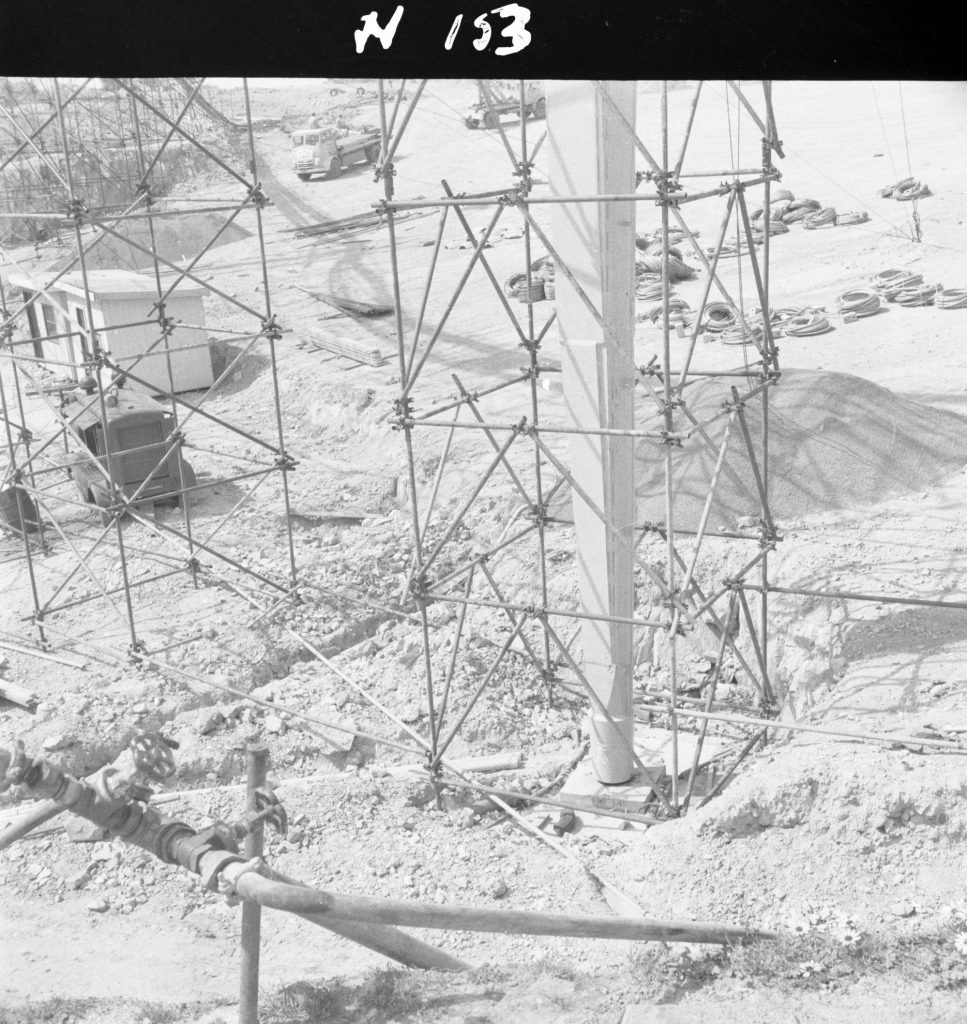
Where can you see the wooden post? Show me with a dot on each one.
(591, 151)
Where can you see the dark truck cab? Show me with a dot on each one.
(137, 447)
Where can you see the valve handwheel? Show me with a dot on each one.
(152, 755)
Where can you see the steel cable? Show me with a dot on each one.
(826, 217)
(922, 295)
(852, 217)
(776, 227)
(887, 193)
(889, 283)
(950, 298)
(808, 323)
(860, 302)
(738, 335)
(906, 190)
(718, 316)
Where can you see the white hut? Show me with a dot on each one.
(125, 324)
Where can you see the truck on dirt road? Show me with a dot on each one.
(504, 99)
(323, 150)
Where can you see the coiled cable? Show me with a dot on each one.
(648, 290)
(738, 335)
(808, 323)
(718, 316)
(775, 227)
(852, 217)
(890, 190)
(826, 217)
(950, 298)
(889, 283)
(859, 302)
(915, 190)
(919, 296)
(781, 317)
(778, 209)
(676, 307)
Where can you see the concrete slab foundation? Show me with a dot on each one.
(653, 747)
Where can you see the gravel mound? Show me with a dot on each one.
(835, 441)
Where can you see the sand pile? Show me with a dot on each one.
(835, 441)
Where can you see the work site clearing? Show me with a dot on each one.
(853, 851)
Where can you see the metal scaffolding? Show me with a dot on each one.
(524, 449)
(157, 117)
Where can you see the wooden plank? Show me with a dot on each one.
(41, 654)
(354, 350)
(10, 693)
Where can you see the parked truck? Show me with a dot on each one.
(135, 448)
(505, 99)
(318, 149)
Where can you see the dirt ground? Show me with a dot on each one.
(857, 852)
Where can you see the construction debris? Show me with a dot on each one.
(356, 351)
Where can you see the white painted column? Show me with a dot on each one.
(591, 152)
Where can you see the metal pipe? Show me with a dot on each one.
(474, 395)
(890, 739)
(849, 595)
(668, 413)
(709, 699)
(256, 764)
(494, 443)
(483, 556)
(654, 435)
(485, 263)
(728, 775)
(414, 372)
(562, 612)
(252, 886)
(438, 241)
(688, 131)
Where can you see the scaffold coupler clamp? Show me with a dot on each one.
(403, 412)
(76, 210)
(271, 329)
(257, 196)
(230, 889)
(137, 652)
(286, 462)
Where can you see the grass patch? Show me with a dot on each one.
(384, 996)
(810, 959)
(67, 1010)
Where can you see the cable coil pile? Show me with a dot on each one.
(824, 218)
(738, 335)
(719, 316)
(922, 295)
(852, 217)
(808, 323)
(889, 283)
(950, 298)
(859, 302)
(906, 190)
